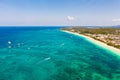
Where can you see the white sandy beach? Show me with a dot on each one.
(101, 44)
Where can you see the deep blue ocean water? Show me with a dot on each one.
(47, 53)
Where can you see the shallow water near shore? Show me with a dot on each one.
(44, 53)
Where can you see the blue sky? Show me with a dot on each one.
(59, 12)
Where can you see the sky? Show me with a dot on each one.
(59, 12)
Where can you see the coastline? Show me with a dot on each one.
(96, 42)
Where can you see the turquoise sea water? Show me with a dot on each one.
(49, 54)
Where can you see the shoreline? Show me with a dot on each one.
(96, 42)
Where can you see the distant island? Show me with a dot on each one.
(109, 36)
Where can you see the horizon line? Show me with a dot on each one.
(57, 25)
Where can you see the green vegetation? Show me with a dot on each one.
(95, 30)
(110, 36)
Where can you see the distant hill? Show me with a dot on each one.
(118, 26)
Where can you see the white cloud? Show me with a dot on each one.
(70, 18)
(116, 20)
